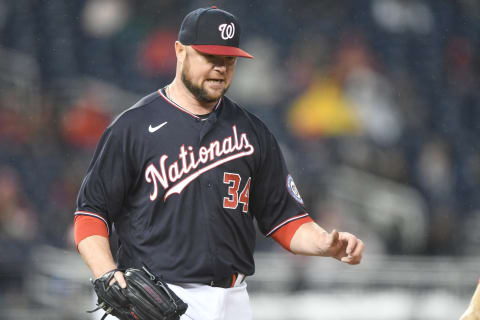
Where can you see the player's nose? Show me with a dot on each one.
(221, 62)
(220, 67)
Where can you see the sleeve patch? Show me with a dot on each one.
(292, 189)
(285, 233)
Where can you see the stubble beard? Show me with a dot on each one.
(199, 92)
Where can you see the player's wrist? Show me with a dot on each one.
(100, 272)
(323, 245)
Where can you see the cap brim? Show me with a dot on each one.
(222, 51)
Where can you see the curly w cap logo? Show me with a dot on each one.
(227, 31)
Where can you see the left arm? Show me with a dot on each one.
(311, 239)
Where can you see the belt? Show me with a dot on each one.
(228, 282)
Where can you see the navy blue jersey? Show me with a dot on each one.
(182, 191)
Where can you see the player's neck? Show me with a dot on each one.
(178, 93)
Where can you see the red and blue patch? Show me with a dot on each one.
(292, 189)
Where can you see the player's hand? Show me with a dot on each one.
(118, 277)
(343, 246)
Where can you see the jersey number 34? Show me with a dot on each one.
(234, 180)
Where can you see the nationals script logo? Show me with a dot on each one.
(183, 170)
(227, 31)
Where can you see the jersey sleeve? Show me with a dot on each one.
(276, 201)
(108, 179)
(86, 226)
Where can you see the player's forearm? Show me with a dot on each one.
(95, 251)
(307, 239)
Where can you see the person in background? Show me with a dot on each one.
(473, 310)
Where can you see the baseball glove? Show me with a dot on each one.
(146, 297)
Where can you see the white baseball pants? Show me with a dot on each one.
(210, 303)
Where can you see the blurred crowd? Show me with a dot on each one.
(389, 87)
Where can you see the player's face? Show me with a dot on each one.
(207, 77)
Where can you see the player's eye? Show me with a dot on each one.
(231, 60)
(209, 57)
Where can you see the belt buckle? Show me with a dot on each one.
(229, 282)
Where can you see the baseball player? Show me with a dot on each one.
(473, 310)
(182, 175)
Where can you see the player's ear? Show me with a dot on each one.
(180, 51)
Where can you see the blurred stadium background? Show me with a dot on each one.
(376, 104)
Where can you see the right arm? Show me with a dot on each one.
(95, 251)
(99, 199)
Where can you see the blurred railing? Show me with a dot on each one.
(382, 206)
(277, 271)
